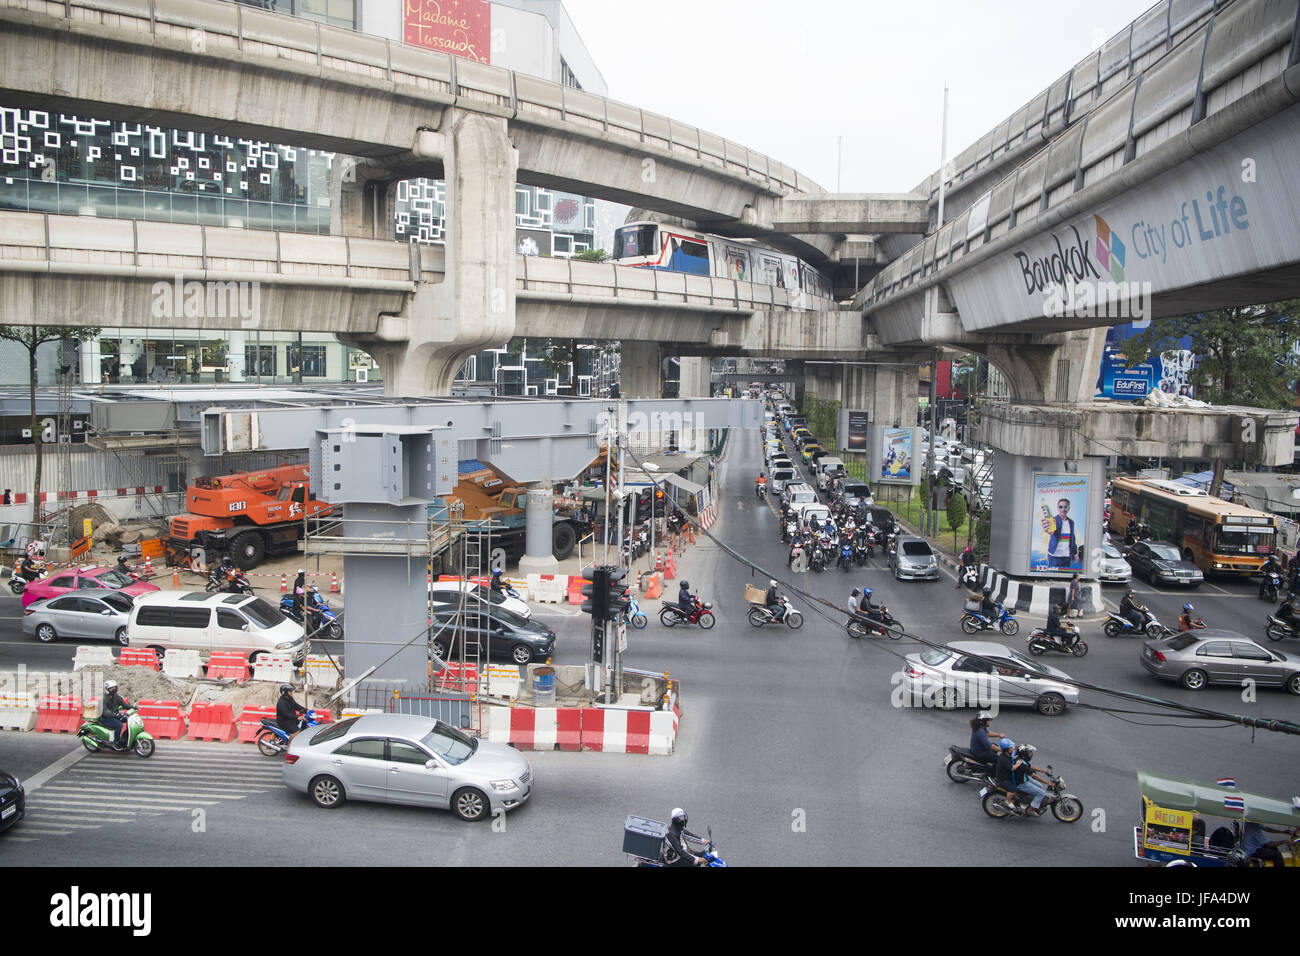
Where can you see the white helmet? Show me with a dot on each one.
(772, 583)
(110, 686)
(679, 816)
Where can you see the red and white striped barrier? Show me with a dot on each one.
(607, 730)
(710, 515)
(22, 498)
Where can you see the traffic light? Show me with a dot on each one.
(597, 593)
(616, 599)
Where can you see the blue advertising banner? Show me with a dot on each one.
(1058, 527)
(896, 455)
(1117, 380)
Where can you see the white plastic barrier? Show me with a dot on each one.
(273, 667)
(503, 681)
(663, 732)
(547, 588)
(93, 657)
(182, 664)
(320, 669)
(17, 711)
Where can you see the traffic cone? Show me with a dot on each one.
(176, 577)
(653, 590)
(284, 583)
(334, 583)
(670, 567)
(148, 567)
(659, 561)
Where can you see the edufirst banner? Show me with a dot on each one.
(459, 27)
(1059, 523)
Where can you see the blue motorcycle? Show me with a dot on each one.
(846, 555)
(322, 615)
(273, 741)
(974, 621)
(635, 616)
(1117, 625)
(709, 854)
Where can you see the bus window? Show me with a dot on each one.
(1237, 541)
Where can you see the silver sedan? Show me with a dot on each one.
(1212, 656)
(403, 758)
(982, 674)
(79, 616)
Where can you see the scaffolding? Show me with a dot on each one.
(446, 544)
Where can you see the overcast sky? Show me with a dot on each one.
(788, 78)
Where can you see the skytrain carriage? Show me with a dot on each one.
(651, 245)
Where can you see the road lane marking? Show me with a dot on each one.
(39, 779)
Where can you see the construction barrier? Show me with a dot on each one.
(17, 711)
(653, 589)
(568, 728)
(454, 677)
(663, 732)
(322, 670)
(575, 588)
(227, 664)
(182, 664)
(616, 731)
(503, 681)
(138, 657)
(162, 718)
(583, 728)
(95, 657)
(670, 567)
(547, 588)
(212, 722)
(249, 724)
(273, 667)
(58, 714)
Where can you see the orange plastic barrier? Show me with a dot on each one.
(57, 714)
(138, 657)
(162, 718)
(227, 664)
(212, 722)
(250, 722)
(654, 589)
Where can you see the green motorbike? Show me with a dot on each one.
(95, 736)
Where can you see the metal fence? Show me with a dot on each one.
(452, 707)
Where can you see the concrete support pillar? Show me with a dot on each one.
(90, 360)
(363, 200)
(540, 517)
(891, 390)
(640, 370)
(1064, 371)
(235, 355)
(697, 378)
(473, 307)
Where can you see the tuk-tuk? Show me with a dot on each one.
(1171, 806)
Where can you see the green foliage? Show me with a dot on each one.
(592, 255)
(956, 510)
(1245, 355)
(983, 528)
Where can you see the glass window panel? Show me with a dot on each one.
(42, 196)
(184, 208)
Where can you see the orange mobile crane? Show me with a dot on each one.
(248, 515)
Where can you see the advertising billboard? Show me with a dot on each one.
(1059, 524)
(853, 430)
(896, 455)
(459, 27)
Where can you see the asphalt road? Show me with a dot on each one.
(789, 748)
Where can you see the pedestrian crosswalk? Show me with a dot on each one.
(104, 789)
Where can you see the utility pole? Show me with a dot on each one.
(931, 525)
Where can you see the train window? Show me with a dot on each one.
(690, 257)
(630, 241)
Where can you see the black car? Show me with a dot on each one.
(882, 519)
(1160, 562)
(506, 634)
(13, 801)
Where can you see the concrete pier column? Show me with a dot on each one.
(892, 392)
(641, 370)
(473, 307)
(540, 517)
(90, 361)
(696, 380)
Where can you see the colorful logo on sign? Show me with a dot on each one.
(1110, 250)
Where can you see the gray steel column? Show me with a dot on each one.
(540, 517)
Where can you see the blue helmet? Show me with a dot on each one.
(866, 592)
(1188, 608)
(1006, 743)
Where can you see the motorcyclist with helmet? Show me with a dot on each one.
(1017, 775)
(1067, 635)
(29, 569)
(675, 850)
(967, 563)
(874, 612)
(760, 485)
(290, 716)
(1131, 610)
(1289, 614)
(988, 606)
(981, 747)
(110, 711)
(685, 599)
(1188, 623)
(773, 602)
(1270, 567)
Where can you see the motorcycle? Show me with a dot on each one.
(709, 854)
(962, 767)
(1066, 807)
(760, 490)
(975, 621)
(1279, 628)
(1040, 643)
(846, 556)
(861, 551)
(273, 741)
(970, 578)
(20, 579)
(634, 615)
(789, 530)
(1117, 624)
(323, 616)
(862, 626)
(817, 559)
(1271, 587)
(233, 581)
(702, 614)
(95, 736)
(760, 614)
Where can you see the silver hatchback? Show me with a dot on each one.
(403, 758)
(914, 560)
(79, 615)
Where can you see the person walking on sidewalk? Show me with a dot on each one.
(1076, 609)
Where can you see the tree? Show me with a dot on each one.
(956, 515)
(32, 337)
(1245, 355)
(592, 255)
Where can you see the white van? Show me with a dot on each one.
(828, 469)
(198, 621)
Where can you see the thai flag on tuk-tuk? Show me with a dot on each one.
(1227, 782)
(1234, 803)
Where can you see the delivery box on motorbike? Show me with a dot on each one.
(222, 622)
